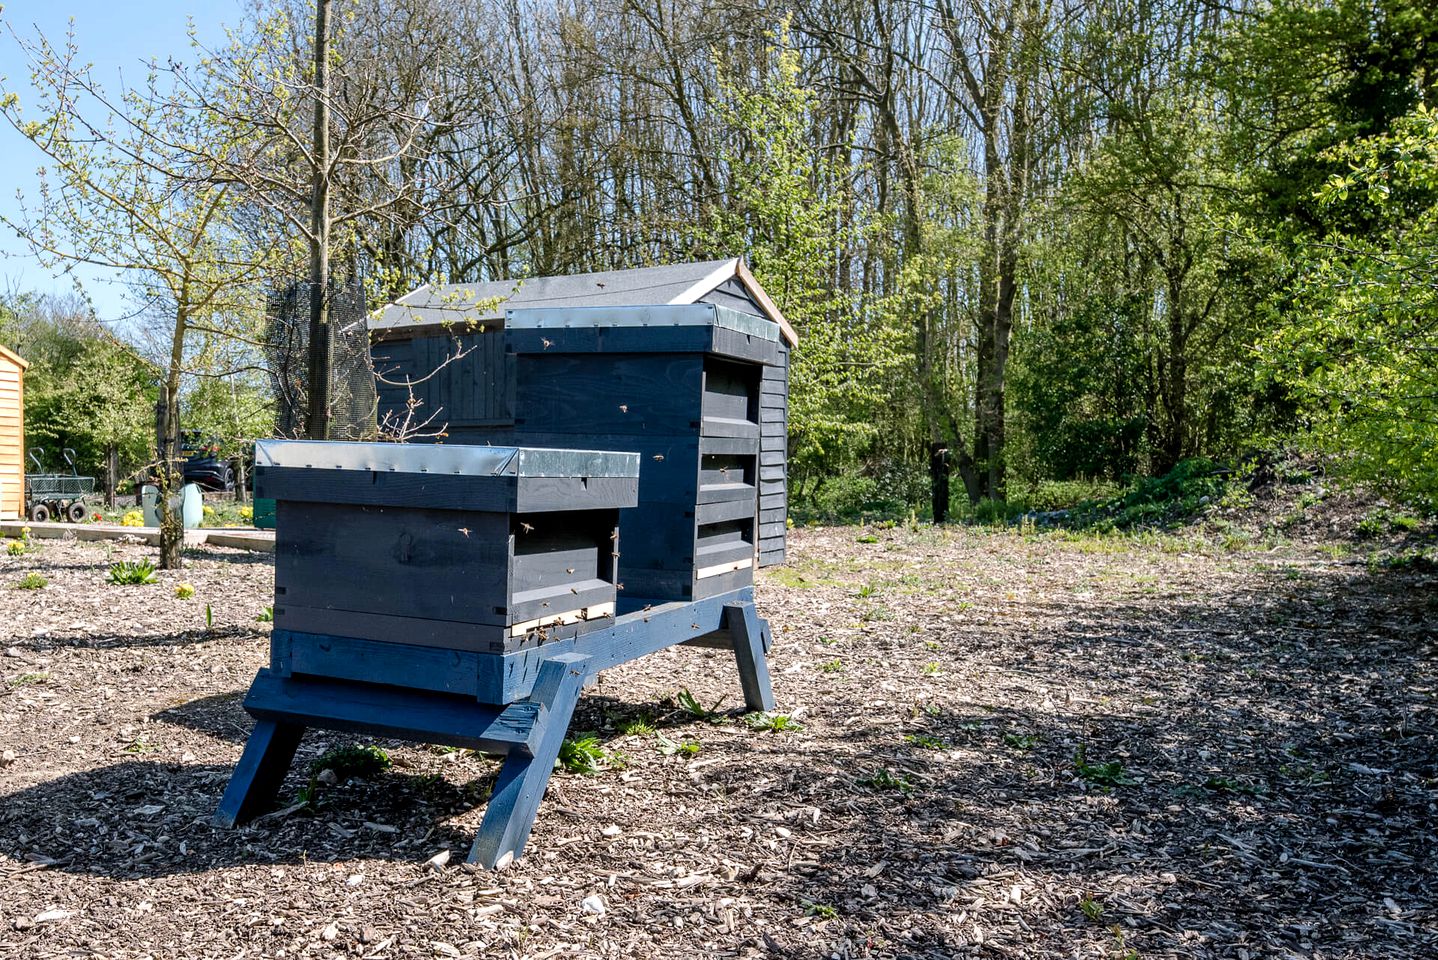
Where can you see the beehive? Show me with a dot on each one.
(483, 549)
(699, 388)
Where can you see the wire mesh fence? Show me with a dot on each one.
(287, 346)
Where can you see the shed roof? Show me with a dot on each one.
(15, 358)
(680, 283)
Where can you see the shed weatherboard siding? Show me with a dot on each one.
(774, 477)
(462, 381)
(12, 436)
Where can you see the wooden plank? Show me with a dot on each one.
(443, 670)
(391, 711)
(385, 489)
(718, 427)
(724, 510)
(609, 395)
(726, 492)
(437, 565)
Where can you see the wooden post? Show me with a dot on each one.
(749, 632)
(523, 777)
(261, 770)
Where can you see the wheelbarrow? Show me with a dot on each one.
(58, 495)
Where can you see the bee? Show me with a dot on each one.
(568, 569)
(465, 530)
(624, 408)
(547, 342)
(528, 527)
(659, 456)
(619, 586)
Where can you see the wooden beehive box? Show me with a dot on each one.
(485, 549)
(480, 358)
(682, 386)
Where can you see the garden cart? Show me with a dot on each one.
(56, 494)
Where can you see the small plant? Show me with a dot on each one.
(669, 748)
(1231, 785)
(184, 591)
(31, 581)
(354, 760)
(832, 666)
(582, 755)
(132, 518)
(133, 572)
(772, 722)
(926, 742)
(1091, 908)
(691, 705)
(882, 779)
(866, 538)
(867, 590)
(932, 669)
(16, 548)
(638, 727)
(26, 679)
(1022, 741)
(822, 910)
(209, 617)
(267, 615)
(247, 512)
(1110, 774)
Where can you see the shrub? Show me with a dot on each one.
(132, 572)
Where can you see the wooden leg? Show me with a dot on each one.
(259, 773)
(523, 777)
(749, 631)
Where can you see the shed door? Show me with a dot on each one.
(12, 442)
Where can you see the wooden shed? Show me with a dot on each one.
(633, 342)
(12, 435)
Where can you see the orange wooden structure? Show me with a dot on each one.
(12, 435)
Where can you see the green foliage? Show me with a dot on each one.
(352, 760)
(638, 727)
(1358, 349)
(267, 615)
(786, 213)
(184, 591)
(132, 572)
(884, 779)
(31, 581)
(690, 704)
(926, 742)
(582, 755)
(684, 748)
(17, 548)
(1107, 774)
(772, 722)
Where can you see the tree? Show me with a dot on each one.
(1360, 346)
(784, 215)
(119, 190)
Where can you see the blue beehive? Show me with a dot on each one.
(687, 365)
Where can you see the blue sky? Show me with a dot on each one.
(117, 36)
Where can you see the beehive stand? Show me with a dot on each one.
(526, 732)
(488, 681)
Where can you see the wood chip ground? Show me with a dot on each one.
(1050, 746)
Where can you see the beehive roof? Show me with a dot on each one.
(680, 283)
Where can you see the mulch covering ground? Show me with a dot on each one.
(999, 746)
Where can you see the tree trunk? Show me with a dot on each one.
(112, 474)
(321, 354)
